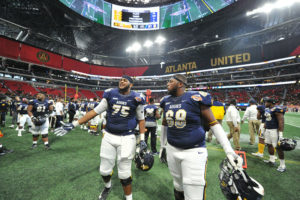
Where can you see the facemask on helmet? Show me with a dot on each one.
(236, 184)
(144, 160)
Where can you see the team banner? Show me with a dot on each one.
(39, 56)
(9, 48)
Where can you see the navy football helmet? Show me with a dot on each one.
(236, 184)
(40, 120)
(287, 144)
(144, 160)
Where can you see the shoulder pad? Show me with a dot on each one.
(279, 109)
(107, 90)
(203, 97)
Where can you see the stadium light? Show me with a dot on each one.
(148, 43)
(129, 49)
(268, 7)
(160, 39)
(84, 59)
(136, 46)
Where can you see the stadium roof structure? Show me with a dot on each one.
(50, 25)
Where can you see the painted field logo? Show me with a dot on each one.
(43, 56)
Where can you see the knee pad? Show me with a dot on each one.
(178, 195)
(107, 178)
(126, 181)
(45, 136)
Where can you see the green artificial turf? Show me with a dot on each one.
(71, 169)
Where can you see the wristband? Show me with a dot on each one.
(75, 123)
(142, 136)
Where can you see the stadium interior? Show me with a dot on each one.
(234, 52)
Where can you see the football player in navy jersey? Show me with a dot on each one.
(14, 105)
(38, 110)
(274, 131)
(24, 118)
(186, 114)
(151, 115)
(3, 110)
(124, 108)
(82, 112)
(71, 110)
(261, 136)
(93, 123)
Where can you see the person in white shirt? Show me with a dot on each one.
(253, 123)
(59, 112)
(233, 121)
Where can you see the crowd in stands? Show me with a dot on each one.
(284, 94)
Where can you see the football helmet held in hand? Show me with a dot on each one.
(143, 145)
(287, 144)
(235, 160)
(61, 131)
(236, 184)
(144, 160)
(39, 120)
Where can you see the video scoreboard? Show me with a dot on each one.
(132, 18)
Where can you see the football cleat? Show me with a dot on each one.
(47, 147)
(104, 193)
(258, 154)
(281, 169)
(271, 163)
(34, 146)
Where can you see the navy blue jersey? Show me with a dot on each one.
(150, 111)
(40, 108)
(83, 106)
(92, 105)
(183, 116)
(261, 109)
(121, 112)
(14, 105)
(22, 109)
(3, 106)
(271, 120)
(77, 106)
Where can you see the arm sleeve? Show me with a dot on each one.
(140, 112)
(102, 106)
(222, 138)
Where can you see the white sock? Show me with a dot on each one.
(34, 142)
(19, 132)
(108, 184)
(128, 197)
(272, 158)
(45, 143)
(282, 163)
(0, 145)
